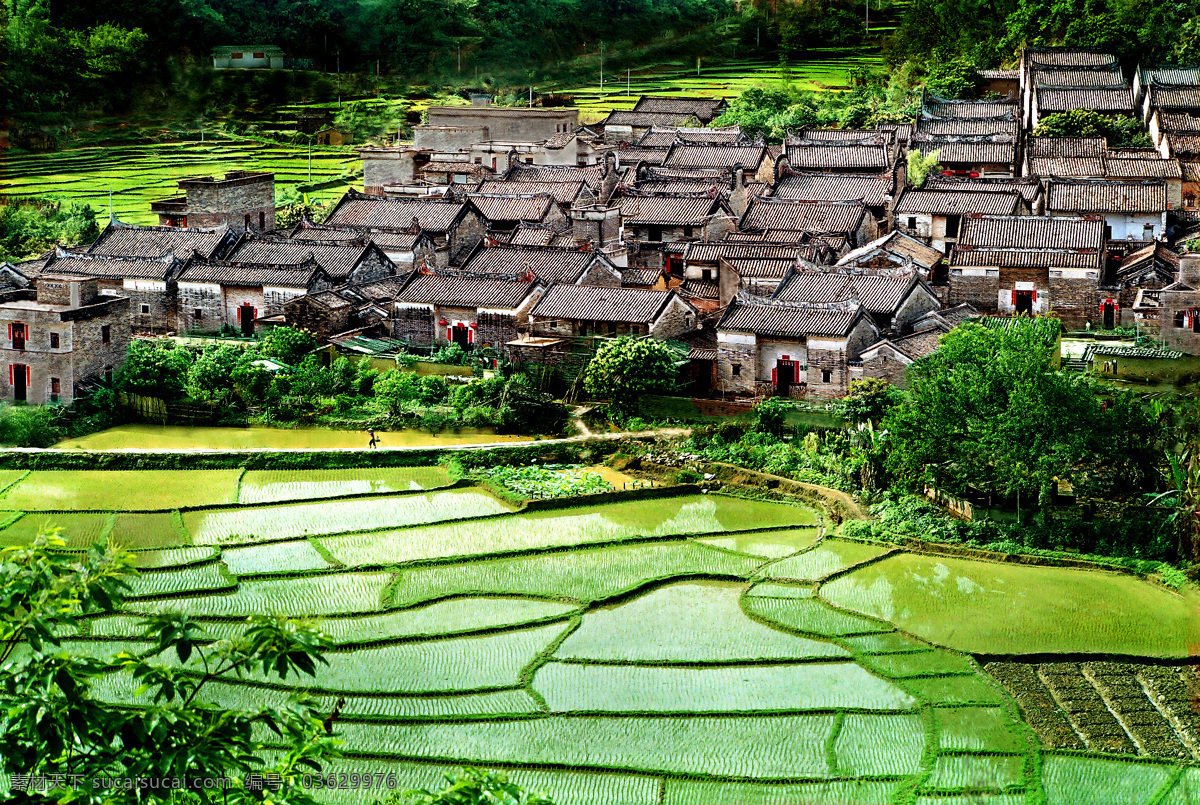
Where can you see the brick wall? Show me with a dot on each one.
(735, 354)
(467, 233)
(887, 366)
(676, 320)
(1176, 337)
(980, 292)
(1074, 300)
(375, 265)
(414, 324)
(495, 329)
(319, 320)
(205, 298)
(214, 203)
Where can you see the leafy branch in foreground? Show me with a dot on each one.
(58, 735)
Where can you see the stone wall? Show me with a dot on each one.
(319, 320)
(205, 298)
(383, 167)
(375, 265)
(1074, 300)
(677, 319)
(736, 351)
(917, 304)
(469, 232)
(980, 292)
(887, 365)
(507, 123)
(211, 203)
(602, 274)
(1182, 338)
(495, 329)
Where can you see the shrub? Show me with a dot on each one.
(770, 415)
(287, 345)
(452, 354)
(30, 426)
(156, 368)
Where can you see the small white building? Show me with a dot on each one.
(1132, 210)
(248, 56)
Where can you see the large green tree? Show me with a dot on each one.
(627, 368)
(989, 412)
(54, 724)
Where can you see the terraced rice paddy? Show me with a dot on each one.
(184, 437)
(682, 650)
(139, 174)
(823, 69)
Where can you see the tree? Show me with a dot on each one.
(770, 415)
(1187, 46)
(156, 368)
(1121, 131)
(211, 376)
(988, 412)
(53, 723)
(954, 79)
(627, 368)
(868, 401)
(919, 165)
(287, 345)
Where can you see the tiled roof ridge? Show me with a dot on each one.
(60, 253)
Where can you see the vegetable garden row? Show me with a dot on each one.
(689, 649)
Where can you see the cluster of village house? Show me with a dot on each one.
(784, 269)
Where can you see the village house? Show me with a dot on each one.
(1028, 187)
(454, 226)
(705, 109)
(504, 213)
(362, 309)
(1132, 210)
(146, 282)
(403, 247)
(666, 136)
(892, 253)
(442, 172)
(875, 153)
(440, 308)
(633, 156)
(342, 261)
(935, 216)
(847, 222)
(242, 199)
(458, 128)
(119, 239)
(656, 219)
(1029, 264)
(574, 311)
(894, 302)
(1063, 79)
(1065, 157)
(753, 160)
(246, 57)
(972, 138)
(889, 358)
(876, 190)
(729, 184)
(215, 294)
(546, 263)
(779, 348)
(565, 194)
(1150, 268)
(630, 126)
(62, 334)
(1179, 308)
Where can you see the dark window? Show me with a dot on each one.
(952, 222)
(198, 314)
(654, 233)
(707, 273)
(528, 160)
(262, 221)
(55, 389)
(235, 55)
(108, 370)
(735, 369)
(478, 160)
(826, 375)
(912, 223)
(260, 55)
(106, 334)
(53, 340)
(145, 309)
(687, 231)
(247, 220)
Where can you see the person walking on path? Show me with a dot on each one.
(374, 440)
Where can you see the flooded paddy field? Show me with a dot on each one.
(687, 649)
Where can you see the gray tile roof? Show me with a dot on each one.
(788, 318)
(1174, 97)
(1026, 258)
(845, 135)
(760, 267)
(512, 207)
(337, 258)
(545, 262)
(704, 108)
(666, 136)
(527, 234)
(594, 303)
(250, 275)
(872, 154)
(749, 157)
(110, 267)
(565, 193)
(898, 244)
(1183, 144)
(803, 216)
(1100, 99)
(362, 210)
(943, 107)
(1032, 232)
(1028, 187)
(712, 251)
(666, 210)
(999, 149)
(872, 188)
(877, 294)
(129, 240)
(640, 120)
(1070, 57)
(1142, 167)
(1065, 195)
(592, 175)
(1170, 75)
(956, 202)
(1072, 167)
(457, 290)
(640, 277)
(968, 126)
(629, 156)
(1178, 122)
(1078, 77)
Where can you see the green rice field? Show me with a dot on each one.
(824, 69)
(688, 649)
(139, 174)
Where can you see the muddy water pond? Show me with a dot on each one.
(185, 437)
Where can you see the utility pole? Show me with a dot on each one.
(310, 139)
(460, 57)
(868, 31)
(531, 97)
(601, 65)
(627, 71)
